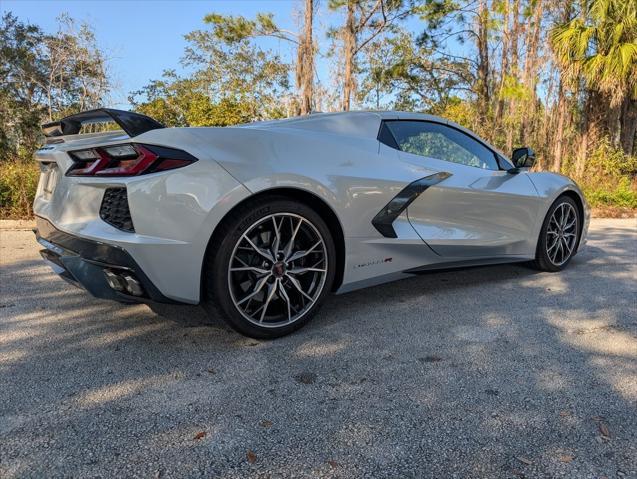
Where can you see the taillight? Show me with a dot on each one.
(130, 159)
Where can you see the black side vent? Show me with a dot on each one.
(114, 209)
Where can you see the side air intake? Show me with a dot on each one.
(392, 210)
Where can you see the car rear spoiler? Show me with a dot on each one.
(132, 123)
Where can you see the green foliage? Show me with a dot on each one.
(621, 195)
(43, 77)
(18, 184)
(610, 177)
(607, 161)
(233, 81)
(512, 88)
(231, 29)
(22, 69)
(600, 46)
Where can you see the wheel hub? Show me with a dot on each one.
(278, 269)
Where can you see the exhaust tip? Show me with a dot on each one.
(133, 286)
(114, 280)
(123, 282)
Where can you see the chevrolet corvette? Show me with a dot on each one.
(261, 222)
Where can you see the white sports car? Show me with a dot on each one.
(263, 221)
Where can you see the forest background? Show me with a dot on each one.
(557, 75)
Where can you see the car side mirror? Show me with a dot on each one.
(522, 158)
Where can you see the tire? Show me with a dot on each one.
(558, 242)
(260, 295)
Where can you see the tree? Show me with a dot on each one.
(600, 46)
(76, 78)
(233, 82)
(464, 22)
(412, 74)
(365, 20)
(45, 77)
(235, 29)
(22, 72)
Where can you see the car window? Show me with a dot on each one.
(442, 143)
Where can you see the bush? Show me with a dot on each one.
(609, 178)
(622, 195)
(18, 184)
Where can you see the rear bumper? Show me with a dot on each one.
(86, 264)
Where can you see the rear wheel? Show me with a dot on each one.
(559, 236)
(272, 269)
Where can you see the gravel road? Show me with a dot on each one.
(488, 372)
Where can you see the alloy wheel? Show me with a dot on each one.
(277, 270)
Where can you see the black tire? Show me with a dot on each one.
(217, 278)
(543, 261)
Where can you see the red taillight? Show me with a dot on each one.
(130, 159)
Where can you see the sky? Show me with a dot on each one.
(144, 37)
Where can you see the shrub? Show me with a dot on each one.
(18, 184)
(622, 195)
(609, 177)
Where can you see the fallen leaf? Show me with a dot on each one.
(524, 460)
(603, 429)
(334, 464)
(305, 378)
(212, 370)
(566, 458)
(266, 423)
(200, 435)
(251, 456)
(565, 413)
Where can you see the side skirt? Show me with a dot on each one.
(431, 268)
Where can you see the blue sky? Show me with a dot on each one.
(143, 38)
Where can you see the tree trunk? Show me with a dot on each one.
(531, 68)
(349, 52)
(515, 32)
(504, 64)
(596, 113)
(628, 126)
(559, 129)
(482, 87)
(305, 78)
(562, 105)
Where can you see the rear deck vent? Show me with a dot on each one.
(114, 209)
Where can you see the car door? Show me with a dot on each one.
(478, 210)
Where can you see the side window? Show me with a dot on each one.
(442, 143)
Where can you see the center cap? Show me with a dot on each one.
(278, 269)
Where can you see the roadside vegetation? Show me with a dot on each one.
(559, 76)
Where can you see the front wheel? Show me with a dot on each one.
(274, 265)
(559, 237)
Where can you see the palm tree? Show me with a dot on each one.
(599, 49)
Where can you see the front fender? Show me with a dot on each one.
(551, 186)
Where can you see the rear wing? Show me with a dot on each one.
(133, 124)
